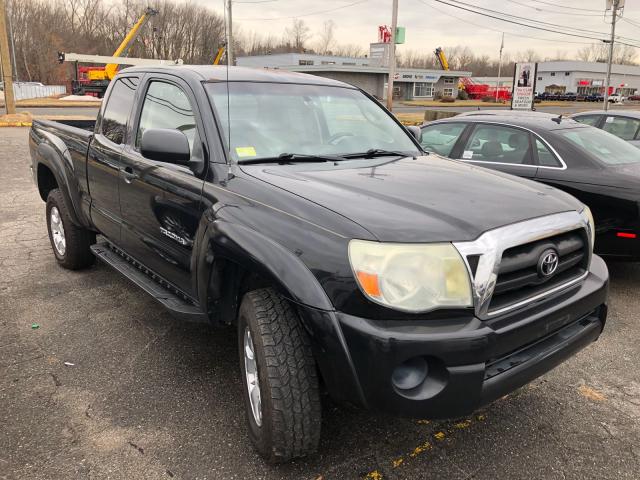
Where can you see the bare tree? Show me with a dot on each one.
(327, 40)
(298, 34)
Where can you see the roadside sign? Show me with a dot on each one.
(524, 86)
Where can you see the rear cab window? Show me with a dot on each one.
(116, 113)
(442, 137)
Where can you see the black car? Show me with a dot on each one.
(298, 211)
(596, 167)
(622, 123)
(594, 97)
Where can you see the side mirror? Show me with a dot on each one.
(165, 145)
(416, 132)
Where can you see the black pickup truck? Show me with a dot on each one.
(299, 210)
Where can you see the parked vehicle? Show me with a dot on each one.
(616, 98)
(624, 124)
(299, 210)
(594, 97)
(596, 167)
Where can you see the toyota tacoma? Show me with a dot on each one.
(299, 210)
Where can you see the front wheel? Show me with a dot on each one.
(280, 383)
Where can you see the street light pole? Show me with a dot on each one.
(610, 60)
(5, 57)
(499, 67)
(392, 55)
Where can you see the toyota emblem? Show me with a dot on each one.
(548, 263)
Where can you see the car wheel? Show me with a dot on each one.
(70, 242)
(280, 383)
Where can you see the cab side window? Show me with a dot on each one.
(495, 143)
(167, 106)
(115, 116)
(442, 137)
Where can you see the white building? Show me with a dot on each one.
(368, 73)
(586, 78)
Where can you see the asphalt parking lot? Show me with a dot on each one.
(110, 386)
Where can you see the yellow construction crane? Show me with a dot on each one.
(111, 69)
(442, 58)
(219, 55)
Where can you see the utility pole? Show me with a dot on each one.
(607, 82)
(230, 33)
(7, 76)
(13, 48)
(392, 55)
(499, 67)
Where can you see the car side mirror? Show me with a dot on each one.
(165, 145)
(416, 132)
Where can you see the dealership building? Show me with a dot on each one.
(586, 78)
(369, 73)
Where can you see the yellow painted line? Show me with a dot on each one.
(426, 446)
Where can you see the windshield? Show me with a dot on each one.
(266, 120)
(606, 147)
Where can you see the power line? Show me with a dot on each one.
(519, 35)
(570, 8)
(535, 27)
(631, 22)
(529, 19)
(540, 9)
(306, 14)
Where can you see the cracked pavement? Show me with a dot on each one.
(150, 397)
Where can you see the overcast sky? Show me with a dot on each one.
(430, 24)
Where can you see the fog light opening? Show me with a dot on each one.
(410, 374)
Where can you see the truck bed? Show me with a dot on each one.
(79, 127)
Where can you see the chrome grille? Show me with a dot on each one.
(499, 261)
(518, 273)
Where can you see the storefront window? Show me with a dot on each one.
(423, 89)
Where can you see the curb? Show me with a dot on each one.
(15, 124)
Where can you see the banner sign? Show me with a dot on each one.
(524, 86)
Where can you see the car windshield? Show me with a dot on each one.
(267, 120)
(607, 148)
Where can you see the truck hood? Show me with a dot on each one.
(427, 199)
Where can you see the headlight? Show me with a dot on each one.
(592, 226)
(411, 277)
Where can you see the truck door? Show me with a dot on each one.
(104, 155)
(160, 202)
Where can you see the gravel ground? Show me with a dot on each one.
(149, 397)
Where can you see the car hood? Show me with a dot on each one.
(427, 199)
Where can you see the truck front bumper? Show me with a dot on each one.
(447, 368)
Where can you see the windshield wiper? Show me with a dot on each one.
(291, 157)
(377, 152)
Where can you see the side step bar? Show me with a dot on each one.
(178, 307)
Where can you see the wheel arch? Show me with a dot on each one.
(54, 171)
(234, 259)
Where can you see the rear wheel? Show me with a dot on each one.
(70, 243)
(280, 384)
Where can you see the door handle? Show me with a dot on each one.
(128, 174)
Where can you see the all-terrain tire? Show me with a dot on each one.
(76, 253)
(288, 382)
